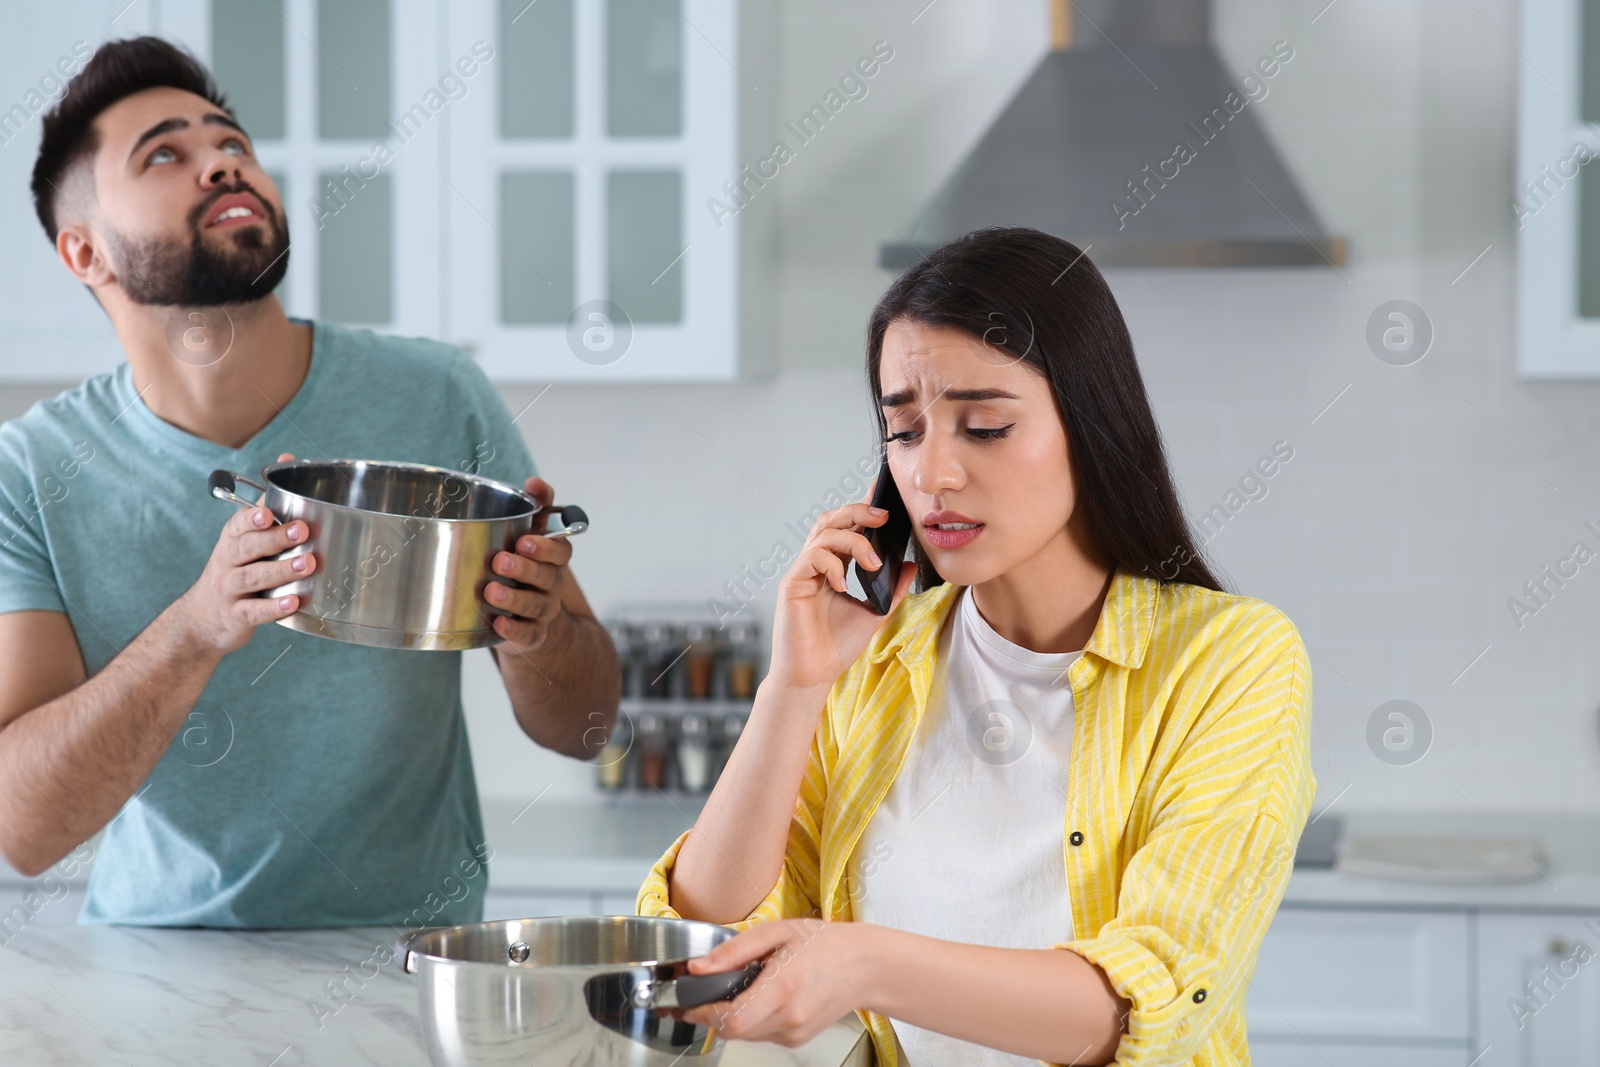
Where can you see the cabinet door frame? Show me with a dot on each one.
(1437, 961)
(1511, 949)
(704, 345)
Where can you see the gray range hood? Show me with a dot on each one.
(1088, 150)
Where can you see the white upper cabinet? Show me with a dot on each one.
(323, 90)
(1556, 202)
(579, 246)
(531, 180)
(51, 330)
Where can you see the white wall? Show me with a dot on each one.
(1414, 506)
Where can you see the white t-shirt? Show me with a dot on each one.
(968, 844)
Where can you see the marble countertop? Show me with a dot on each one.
(1570, 878)
(133, 996)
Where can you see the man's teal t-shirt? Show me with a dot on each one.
(315, 783)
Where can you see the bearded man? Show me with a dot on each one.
(243, 775)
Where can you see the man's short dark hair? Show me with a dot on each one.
(117, 70)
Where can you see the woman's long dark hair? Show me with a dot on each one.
(1039, 299)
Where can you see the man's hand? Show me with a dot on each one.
(534, 577)
(221, 610)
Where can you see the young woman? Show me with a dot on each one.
(1047, 807)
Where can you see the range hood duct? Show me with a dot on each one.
(1088, 150)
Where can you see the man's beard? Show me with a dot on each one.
(170, 272)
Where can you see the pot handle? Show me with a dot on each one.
(573, 520)
(224, 486)
(405, 953)
(693, 990)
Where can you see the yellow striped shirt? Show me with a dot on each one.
(1188, 785)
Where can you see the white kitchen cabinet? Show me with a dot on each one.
(319, 86)
(581, 244)
(535, 182)
(1555, 203)
(53, 329)
(1376, 975)
(1539, 989)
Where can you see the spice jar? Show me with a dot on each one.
(694, 753)
(611, 766)
(699, 661)
(661, 651)
(625, 639)
(743, 653)
(652, 759)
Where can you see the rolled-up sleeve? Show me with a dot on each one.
(796, 892)
(1197, 896)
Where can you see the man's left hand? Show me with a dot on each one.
(532, 580)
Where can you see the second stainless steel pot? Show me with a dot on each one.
(602, 991)
(403, 550)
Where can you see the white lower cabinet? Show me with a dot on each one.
(1376, 987)
(1539, 989)
(1367, 987)
(1372, 974)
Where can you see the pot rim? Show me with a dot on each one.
(407, 953)
(534, 507)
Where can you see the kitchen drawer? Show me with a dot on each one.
(1539, 995)
(1361, 974)
(1325, 1054)
(513, 905)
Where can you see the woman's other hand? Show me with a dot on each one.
(804, 986)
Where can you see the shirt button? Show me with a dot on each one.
(1076, 838)
(1199, 996)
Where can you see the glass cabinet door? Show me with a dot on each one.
(576, 176)
(343, 101)
(531, 179)
(54, 330)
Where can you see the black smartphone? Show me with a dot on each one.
(889, 541)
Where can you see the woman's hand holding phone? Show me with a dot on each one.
(820, 629)
(736, 852)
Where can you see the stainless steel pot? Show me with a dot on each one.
(601, 991)
(403, 550)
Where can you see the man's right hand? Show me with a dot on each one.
(221, 610)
